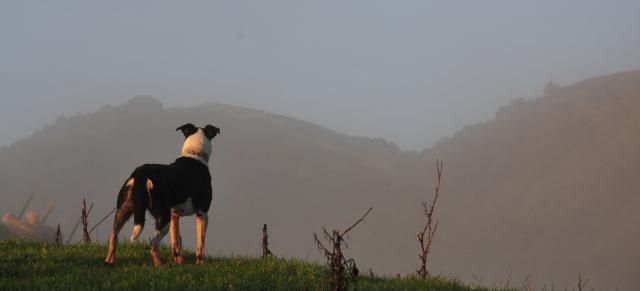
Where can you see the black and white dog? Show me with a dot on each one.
(168, 192)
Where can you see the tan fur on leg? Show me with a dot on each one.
(113, 243)
(154, 243)
(122, 215)
(176, 239)
(202, 220)
(154, 255)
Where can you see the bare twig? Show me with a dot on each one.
(582, 284)
(338, 264)
(58, 238)
(73, 230)
(506, 284)
(327, 235)
(357, 221)
(26, 204)
(429, 228)
(75, 226)
(48, 211)
(85, 222)
(528, 286)
(265, 242)
(102, 220)
(321, 247)
(478, 280)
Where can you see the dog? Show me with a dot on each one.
(168, 192)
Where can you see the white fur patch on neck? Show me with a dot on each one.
(197, 146)
(199, 158)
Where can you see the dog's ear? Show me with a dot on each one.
(188, 129)
(211, 131)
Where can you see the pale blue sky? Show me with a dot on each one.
(408, 71)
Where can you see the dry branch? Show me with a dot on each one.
(581, 284)
(86, 238)
(429, 228)
(75, 226)
(338, 264)
(58, 238)
(102, 220)
(357, 221)
(48, 211)
(265, 242)
(26, 204)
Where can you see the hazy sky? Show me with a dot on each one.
(408, 71)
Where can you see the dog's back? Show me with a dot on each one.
(157, 187)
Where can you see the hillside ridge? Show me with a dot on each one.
(546, 188)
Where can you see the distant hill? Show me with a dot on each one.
(293, 175)
(548, 188)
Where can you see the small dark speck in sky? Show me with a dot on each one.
(240, 34)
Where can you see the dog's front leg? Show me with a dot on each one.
(176, 239)
(202, 220)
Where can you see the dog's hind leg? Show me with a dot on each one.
(202, 220)
(135, 232)
(139, 210)
(176, 239)
(123, 213)
(162, 228)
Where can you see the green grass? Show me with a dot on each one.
(31, 265)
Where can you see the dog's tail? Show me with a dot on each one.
(140, 195)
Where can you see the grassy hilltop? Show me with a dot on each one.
(31, 265)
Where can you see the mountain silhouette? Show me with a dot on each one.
(546, 189)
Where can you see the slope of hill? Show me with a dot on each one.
(290, 174)
(79, 267)
(549, 187)
(546, 189)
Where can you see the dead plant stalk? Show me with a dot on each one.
(429, 228)
(265, 242)
(85, 223)
(338, 264)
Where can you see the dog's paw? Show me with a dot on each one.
(178, 260)
(154, 255)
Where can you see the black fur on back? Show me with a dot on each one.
(173, 184)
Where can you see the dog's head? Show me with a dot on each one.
(197, 141)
